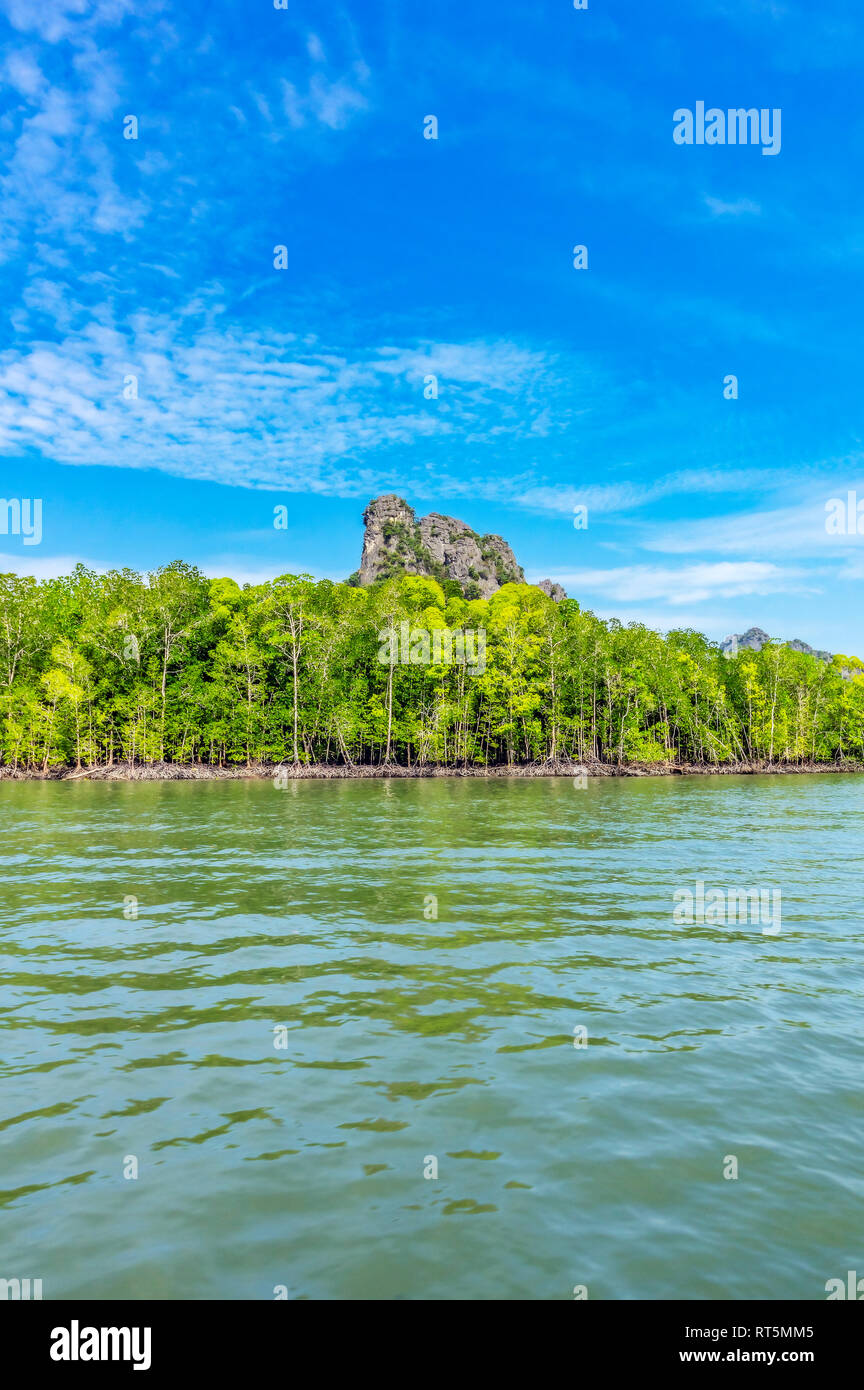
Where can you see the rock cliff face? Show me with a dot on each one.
(754, 640)
(438, 546)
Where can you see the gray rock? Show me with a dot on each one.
(754, 640)
(552, 589)
(390, 524)
(395, 542)
(798, 646)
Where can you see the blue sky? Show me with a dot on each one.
(406, 257)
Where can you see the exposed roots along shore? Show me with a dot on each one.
(195, 772)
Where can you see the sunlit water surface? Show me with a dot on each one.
(409, 1039)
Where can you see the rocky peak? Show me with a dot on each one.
(390, 523)
(552, 589)
(753, 640)
(442, 547)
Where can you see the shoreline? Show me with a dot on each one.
(194, 772)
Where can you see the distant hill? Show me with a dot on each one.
(754, 639)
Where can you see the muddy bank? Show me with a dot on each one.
(179, 772)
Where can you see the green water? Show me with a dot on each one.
(410, 1039)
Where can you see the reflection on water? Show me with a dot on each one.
(288, 1041)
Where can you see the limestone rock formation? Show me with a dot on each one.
(395, 542)
(753, 640)
(390, 541)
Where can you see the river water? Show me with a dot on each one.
(332, 990)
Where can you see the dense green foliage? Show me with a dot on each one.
(99, 668)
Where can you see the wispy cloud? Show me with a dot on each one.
(612, 498)
(192, 397)
(741, 207)
(689, 584)
(796, 531)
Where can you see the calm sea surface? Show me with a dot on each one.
(296, 917)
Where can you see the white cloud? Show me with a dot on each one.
(255, 409)
(66, 19)
(332, 103)
(740, 208)
(689, 584)
(797, 530)
(23, 73)
(59, 184)
(604, 498)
